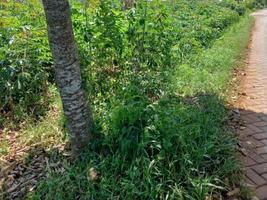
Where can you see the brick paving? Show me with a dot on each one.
(253, 109)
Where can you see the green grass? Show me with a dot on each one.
(212, 69)
(173, 148)
(49, 129)
(4, 147)
(183, 153)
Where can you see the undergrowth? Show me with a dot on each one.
(156, 75)
(211, 69)
(173, 148)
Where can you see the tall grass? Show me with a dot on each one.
(175, 147)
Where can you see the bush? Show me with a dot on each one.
(25, 61)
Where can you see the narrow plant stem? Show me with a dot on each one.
(144, 31)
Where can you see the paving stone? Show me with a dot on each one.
(257, 158)
(247, 161)
(246, 132)
(262, 192)
(255, 128)
(264, 128)
(260, 136)
(264, 176)
(260, 168)
(251, 118)
(245, 112)
(260, 124)
(264, 156)
(254, 177)
(250, 183)
(264, 118)
(261, 150)
(254, 142)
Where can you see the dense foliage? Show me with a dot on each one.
(137, 45)
(171, 148)
(25, 60)
(155, 75)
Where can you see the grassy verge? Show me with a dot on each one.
(173, 148)
(212, 69)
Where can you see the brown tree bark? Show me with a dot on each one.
(68, 73)
(128, 4)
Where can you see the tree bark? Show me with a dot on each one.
(68, 73)
(128, 4)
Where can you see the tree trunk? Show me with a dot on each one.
(68, 73)
(128, 4)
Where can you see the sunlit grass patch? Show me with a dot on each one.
(212, 69)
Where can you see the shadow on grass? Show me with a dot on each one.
(21, 171)
(177, 147)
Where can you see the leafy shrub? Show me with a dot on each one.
(146, 42)
(25, 62)
(235, 6)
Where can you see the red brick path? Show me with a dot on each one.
(253, 104)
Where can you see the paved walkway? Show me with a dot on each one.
(253, 108)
